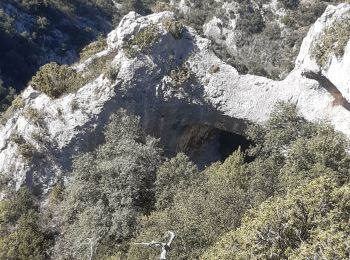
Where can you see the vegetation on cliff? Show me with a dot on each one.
(291, 201)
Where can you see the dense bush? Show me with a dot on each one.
(21, 236)
(210, 205)
(199, 12)
(173, 176)
(7, 95)
(332, 41)
(294, 160)
(110, 188)
(17, 103)
(101, 65)
(142, 41)
(93, 48)
(250, 19)
(301, 174)
(310, 222)
(175, 28)
(179, 76)
(290, 202)
(55, 80)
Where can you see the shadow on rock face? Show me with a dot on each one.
(324, 82)
(185, 121)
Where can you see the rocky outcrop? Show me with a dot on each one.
(323, 33)
(175, 84)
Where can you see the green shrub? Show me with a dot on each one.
(4, 181)
(142, 41)
(32, 114)
(287, 20)
(110, 189)
(57, 194)
(179, 76)
(17, 103)
(160, 6)
(309, 223)
(21, 235)
(25, 149)
(7, 95)
(175, 175)
(56, 80)
(206, 204)
(175, 28)
(39, 136)
(100, 65)
(93, 48)
(332, 41)
(250, 20)
(16, 138)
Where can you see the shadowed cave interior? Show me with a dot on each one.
(206, 144)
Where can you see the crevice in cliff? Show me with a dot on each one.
(324, 82)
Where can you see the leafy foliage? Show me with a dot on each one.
(303, 173)
(179, 76)
(142, 41)
(7, 95)
(332, 41)
(17, 103)
(93, 48)
(213, 203)
(56, 80)
(21, 235)
(292, 227)
(290, 202)
(174, 176)
(175, 28)
(250, 20)
(289, 3)
(110, 188)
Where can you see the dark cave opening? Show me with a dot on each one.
(206, 144)
(230, 142)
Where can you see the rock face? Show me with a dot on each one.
(336, 69)
(174, 85)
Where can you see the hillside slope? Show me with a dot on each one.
(169, 76)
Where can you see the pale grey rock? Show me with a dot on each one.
(337, 70)
(214, 96)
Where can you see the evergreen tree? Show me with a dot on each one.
(110, 188)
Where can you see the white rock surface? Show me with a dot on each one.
(220, 98)
(338, 69)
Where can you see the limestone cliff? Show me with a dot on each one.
(173, 84)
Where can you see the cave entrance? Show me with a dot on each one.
(230, 142)
(206, 144)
